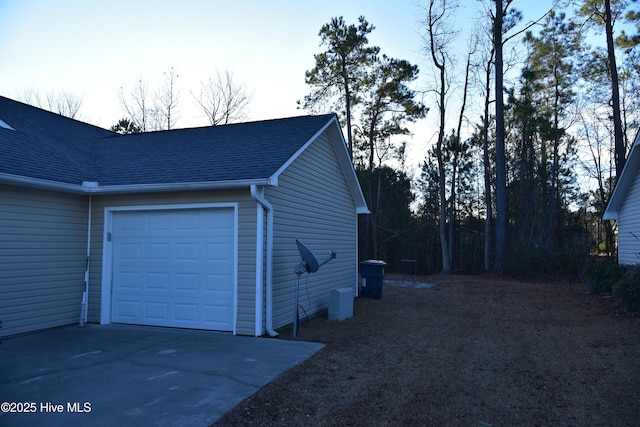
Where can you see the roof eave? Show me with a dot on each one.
(344, 160)
(625, 180)
(180, 186)
(38, 183)
(44, 184)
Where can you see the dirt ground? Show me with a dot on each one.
(471, 351)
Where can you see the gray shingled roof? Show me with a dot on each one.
(48, 146)
(45, 145)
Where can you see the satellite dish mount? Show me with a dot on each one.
(309, 264)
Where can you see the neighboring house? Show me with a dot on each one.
(191, 228)
(624, 206)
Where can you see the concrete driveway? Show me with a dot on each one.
(121, 375)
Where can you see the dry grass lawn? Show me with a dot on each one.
(473, 351)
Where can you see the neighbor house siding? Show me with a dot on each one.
(312, 203)
(629, 225)
(245, 324)
(43, 245)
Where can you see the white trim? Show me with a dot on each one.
(624, 181)
(356, 290)
(85, 296)
(295, 155)
(5, 125)
(107, 250)
(259, 267)
(95, 188)
(178, 186)
(258, 196)
(332, 127)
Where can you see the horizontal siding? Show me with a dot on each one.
(312, 203)
(246, 244)
(629, 226)
(43, 239)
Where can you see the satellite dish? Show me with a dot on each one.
(310, 265)
(308, 259)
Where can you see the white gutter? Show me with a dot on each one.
(268, 208)
(11, 179)
(88, 187)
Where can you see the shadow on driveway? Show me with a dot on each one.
(121, 375)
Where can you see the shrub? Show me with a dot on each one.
(602, 275)
(628, 288)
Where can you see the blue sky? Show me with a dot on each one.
(93, 48)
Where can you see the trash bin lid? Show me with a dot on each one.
(374, 262)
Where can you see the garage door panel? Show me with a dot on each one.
(127, 309)
(129, 223)
(156, 310)
(189, 221)
(187, 282)
(186, 312)
(158, 251)
(158, 281)
(188, 252)
(129, 280)
(158, 221)
(129, 250)
(174, 268)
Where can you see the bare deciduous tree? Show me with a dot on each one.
(138, 106)
(152, 111)
(223, 100)
(66, 104)
(167, 100)
(438, 41)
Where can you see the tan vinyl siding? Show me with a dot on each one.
(246, 244)
(629, 226)
(43, 238)
(312, 203)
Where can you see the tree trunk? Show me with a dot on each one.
(501, 177)
(488, 199)
(441, 90)
(620, 154)
(373, 216)
(347, 98)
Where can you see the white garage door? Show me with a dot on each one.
(174, 268)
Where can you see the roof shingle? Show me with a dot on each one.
(48, 146)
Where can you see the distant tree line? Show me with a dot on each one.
(525, 188)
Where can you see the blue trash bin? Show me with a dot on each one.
(372, 271)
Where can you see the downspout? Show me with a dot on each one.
(84, 307)
(259, 268)
(268, 208)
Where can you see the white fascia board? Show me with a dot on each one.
(347, 167)
(629, 172)
(300, 150)
(24, 181)
(183, 186)
(344, 161)
(93, 188)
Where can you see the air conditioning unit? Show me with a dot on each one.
(341, 304)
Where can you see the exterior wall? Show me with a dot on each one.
(312, 203)
(43, 247)
(245, 323)
(629, 225)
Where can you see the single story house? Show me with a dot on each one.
(624, 206)
(188, 228)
